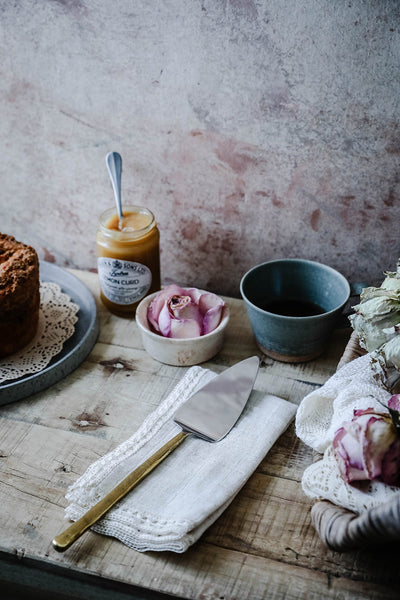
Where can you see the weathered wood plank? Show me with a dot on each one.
(270, 518)
(263, 546)
(288, 457)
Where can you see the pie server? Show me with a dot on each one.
(210, 413)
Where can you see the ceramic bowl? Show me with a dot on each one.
(293, 335)
(179, 352)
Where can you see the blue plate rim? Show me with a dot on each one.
(65, 361)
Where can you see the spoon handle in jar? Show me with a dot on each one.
(114, 166)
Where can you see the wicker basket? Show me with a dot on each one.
(343, 530)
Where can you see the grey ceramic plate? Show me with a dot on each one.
(75, 349)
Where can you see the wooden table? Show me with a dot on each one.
(263, 546)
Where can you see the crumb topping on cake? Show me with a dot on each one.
(19, 271)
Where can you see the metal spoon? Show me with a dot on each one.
(114, 166)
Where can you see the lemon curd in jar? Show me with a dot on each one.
(128, 258)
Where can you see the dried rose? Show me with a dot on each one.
(377, 323)
(368, 448)
(394, 410)
(184, 313)
(394, 402)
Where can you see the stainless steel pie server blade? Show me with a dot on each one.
(212, 411)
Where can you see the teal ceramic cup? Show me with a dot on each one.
(293, 306)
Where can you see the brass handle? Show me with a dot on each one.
(65, 539)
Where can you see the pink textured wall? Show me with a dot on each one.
(253, 130)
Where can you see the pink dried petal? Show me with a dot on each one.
(184, 308)
(394, 402)
(176, 302)
(194, 293)
(391, 464)
(367, 411)
(372, 451)
(212, 319)
(209, 300)
(347, 453)
(151, 318)
(164, 321)
(339, 452)
(196, 313)
(155, 307)
(211, 307)
(368, 447)
(184, 329)
(379, 435)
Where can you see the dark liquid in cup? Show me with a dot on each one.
(293, 308)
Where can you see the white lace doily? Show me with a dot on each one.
(57, 318)
(320, 415)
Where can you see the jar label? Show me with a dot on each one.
(123, 281)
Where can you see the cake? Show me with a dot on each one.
(19, 294)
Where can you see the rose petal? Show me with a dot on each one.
(211, 307)
(368, 447)
(185, 309)
(196, 312)
(190, 311)
(184, 328)
(372, 452)
(155, 307)
(394, 402)
(164, 321)
(339, 453)
(364, 411)
(194, 293)
(212, 319)
(391, 464)
(178, 302)
(209, 300)
(348, 456)
(379, 435)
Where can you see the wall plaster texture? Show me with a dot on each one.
(253, 129)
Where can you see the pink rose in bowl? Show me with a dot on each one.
(368, 448)
(184, 312)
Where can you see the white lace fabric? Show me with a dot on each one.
(320, 414)
(57, 318)
(184, 495)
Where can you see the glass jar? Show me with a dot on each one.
(128, 258)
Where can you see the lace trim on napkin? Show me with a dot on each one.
(57, 318)
(320, 415)
(98, 473)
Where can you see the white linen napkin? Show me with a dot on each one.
(320, 414)
(186, 493)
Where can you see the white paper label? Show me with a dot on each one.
(123, 281)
